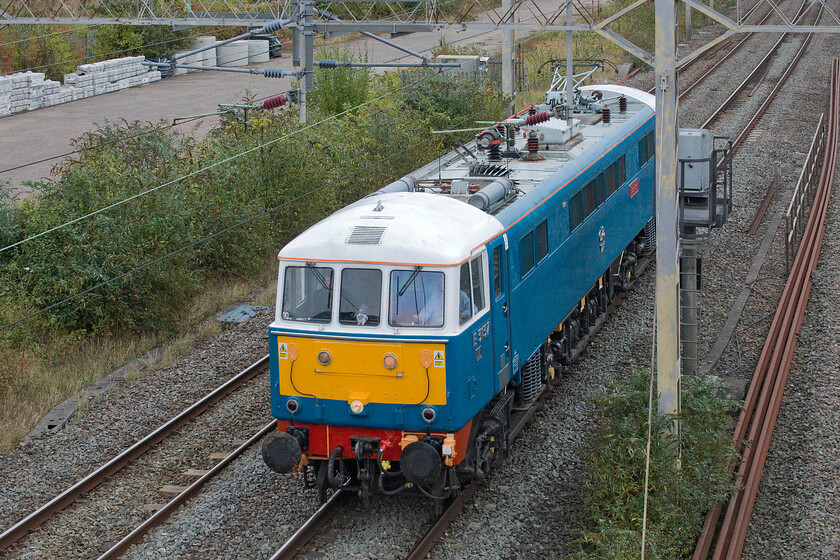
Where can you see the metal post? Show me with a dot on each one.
(308, 45)
(570, 68)
(667, 238)
(689, 311)
(687, 22)
(508, 81)
(296, 11)
(302, 104)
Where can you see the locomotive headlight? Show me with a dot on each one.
(324, 357)
(389, 361)
(429, 414)
(357, 407)
(292, 405)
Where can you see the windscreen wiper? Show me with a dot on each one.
(410, 280)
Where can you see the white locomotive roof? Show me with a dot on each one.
(632, 93)
(587, 130)
(397, 228)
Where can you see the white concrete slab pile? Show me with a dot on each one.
(30, 90)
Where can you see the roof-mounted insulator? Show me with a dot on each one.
(274, 102)
(605, 114)
(488, 138)
(537, 118)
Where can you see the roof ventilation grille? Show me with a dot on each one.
(488, 170)
(366, 235)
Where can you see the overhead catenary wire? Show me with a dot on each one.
(216, 234)
(210, 166)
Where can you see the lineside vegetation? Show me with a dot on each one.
(687, 477)
(282, 188)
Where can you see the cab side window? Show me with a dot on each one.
(471, 298)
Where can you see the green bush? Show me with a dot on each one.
(134, 40)
(290, 178)
(679, 494)
(339, 88)
(117, 161)
(42, 47)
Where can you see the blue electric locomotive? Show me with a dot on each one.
(416, 328)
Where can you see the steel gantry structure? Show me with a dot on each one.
(395, 18)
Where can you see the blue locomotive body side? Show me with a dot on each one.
(574, 260)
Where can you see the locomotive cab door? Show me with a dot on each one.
(500, 313)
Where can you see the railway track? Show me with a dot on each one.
(315, 524)
(708, 55)
(761, 408)
(318, 521)
(745, 90)
(35, 519)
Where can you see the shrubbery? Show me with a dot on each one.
(679, 497)
(328, 165)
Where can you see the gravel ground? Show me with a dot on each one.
(34, 473)
(529, 508)
(797, 513)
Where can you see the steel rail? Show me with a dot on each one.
(726, 57)
(766, 60)
(190, 492)
(425, 545)
(94, 479)
(783, 355)
(774, 364)
(709, 53)
(772, 95)
(308, 529)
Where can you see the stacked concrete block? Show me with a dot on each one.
(110, 71)
(5, 95)
(30, 90)
(208, 56)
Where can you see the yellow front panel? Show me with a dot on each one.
(356, 371)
